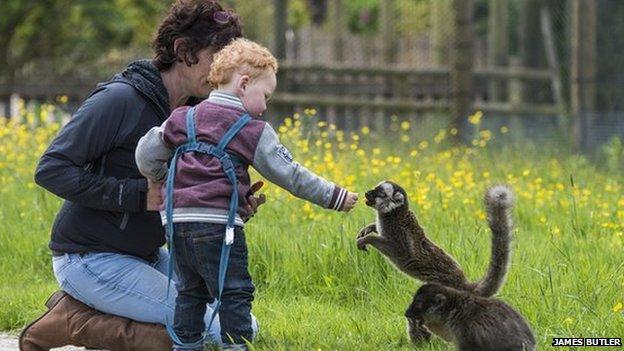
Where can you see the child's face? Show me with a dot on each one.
(256, 93)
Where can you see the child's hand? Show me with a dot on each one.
(154, 198)
(349, 202)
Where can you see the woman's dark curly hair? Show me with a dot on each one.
(198, 24)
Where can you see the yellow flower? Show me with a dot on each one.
(365, 130)
(568, 321)
(405, 125)
(476, 117)
(504, 129)
(618, 307)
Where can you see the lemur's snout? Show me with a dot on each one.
(370, 197)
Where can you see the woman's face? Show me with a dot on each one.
(195, 77)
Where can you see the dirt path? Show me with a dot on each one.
(8, 342)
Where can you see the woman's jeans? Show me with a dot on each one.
(197, 250)
(126, 286)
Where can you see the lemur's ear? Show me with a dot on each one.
(398, 196)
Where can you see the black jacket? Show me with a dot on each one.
(91, 165)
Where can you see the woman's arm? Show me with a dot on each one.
(101, 124)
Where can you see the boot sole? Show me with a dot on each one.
(50, 303)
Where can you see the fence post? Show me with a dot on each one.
(515, 88)
(388, 29)
(498, 44)
(338, 28)
(462, 68)
(280, 10)
(553, 64)
(441, 29)
(583, 71)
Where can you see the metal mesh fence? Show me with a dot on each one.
(363, 61)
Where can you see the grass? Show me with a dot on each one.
(315, 290)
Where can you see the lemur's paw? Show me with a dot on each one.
(361, 245)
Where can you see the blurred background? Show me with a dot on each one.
(547, 69)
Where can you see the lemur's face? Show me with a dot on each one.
(386, 197)
(428, 300)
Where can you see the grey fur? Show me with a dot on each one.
(470, 322)
(404, 242)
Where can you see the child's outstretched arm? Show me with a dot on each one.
(274, 162)
(152, 155)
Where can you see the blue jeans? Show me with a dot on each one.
(124, 285)
(197, 252)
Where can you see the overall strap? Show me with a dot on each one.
(228, 164)
(234, 129)
(190, 126)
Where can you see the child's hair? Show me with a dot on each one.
(243, 56)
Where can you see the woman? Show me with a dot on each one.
(107, 238)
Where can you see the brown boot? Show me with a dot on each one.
(70, 322)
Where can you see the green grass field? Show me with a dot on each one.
(316, 291)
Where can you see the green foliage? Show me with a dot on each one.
(412, 16)
(613, 153)
(298, 14)
(363, 16)
(62, 35)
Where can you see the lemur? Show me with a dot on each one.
(472, 323)
(403, 241)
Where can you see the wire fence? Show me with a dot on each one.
(367, 60)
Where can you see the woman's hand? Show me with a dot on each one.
(253, 202)
(154, 198)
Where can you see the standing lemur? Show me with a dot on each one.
(405, 244)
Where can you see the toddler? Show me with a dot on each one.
(244, 76)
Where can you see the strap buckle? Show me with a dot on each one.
(226, 162)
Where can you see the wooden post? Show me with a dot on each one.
(498, 43)
(529, 41)
(583, 70)
(515, 87)
(553, 63)
(280, 9)
(441, 30)
(462, 67)
(388, 32)
(338, 28)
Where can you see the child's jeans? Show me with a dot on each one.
(197, 252)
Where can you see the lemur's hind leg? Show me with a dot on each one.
(371, 228)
